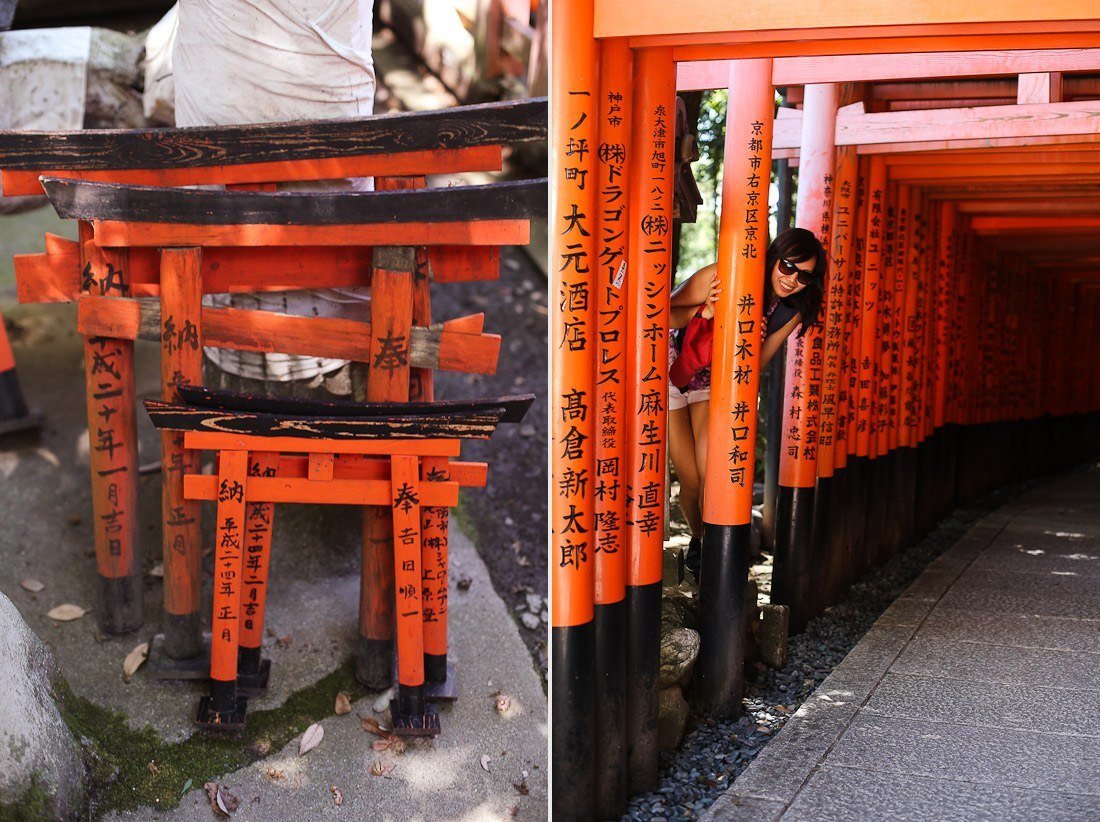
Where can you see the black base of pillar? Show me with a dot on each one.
(855, 532)
(224, 709)
(121, 605)
(183, 637)
(611, 741)
(447, 689)
(719, 671)
(643, 658)
(160, 665)
(792, 576)
(411, 714)
(573, 737)
(823, 560)
(374, 663)
(253, 672)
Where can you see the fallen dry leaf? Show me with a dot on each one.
(311, 739)
(66, 612)
(521, 787)
(503, 703)
(380, 769)
(49, 456)
(134, 660)
(464, 583)
(382, 703)
(152, 766)
(337, 796)
(157, 570)
(274, 773)
(284, 641)
(343, 704)
(32, 585)
(485, 762)
(225, 802)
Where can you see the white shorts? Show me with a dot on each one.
(677, 400)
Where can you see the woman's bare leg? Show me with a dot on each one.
(699, 412)
(681, 450)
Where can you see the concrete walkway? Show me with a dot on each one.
(976, 695)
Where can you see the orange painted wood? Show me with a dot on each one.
(406, 496)
(367, 492)
(434, 548)
(356, 466)
(650, 190)
(909, 353)
(230, 488)
(51, 277)
(884, 369)
(615, 112)
(840, 68)
(112, 427)
(805, 354)
(320, 467)
(387, 380)
(111, 233)
(259, 521)
(217, 441)
(443, 161)
(180, 364)
(870, 305)
(739, 313)
(248, 330)
(470, 324)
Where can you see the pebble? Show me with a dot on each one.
(714, 754)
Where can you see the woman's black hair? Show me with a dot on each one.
(798, 245)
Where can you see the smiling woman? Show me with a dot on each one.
(795, 264)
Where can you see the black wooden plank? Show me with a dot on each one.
(515, 407)
(78, 200)
(176, 417)
(104, 149)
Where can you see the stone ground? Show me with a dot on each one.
(974, 696)
(45, 508)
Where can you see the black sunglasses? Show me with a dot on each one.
(787, 267)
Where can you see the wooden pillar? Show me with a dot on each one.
(224, 708)
(735, 379)
(112, 432)
(574, 90)
(180, 364)
(252, 670)
(387, 380)
(615, 113)
(793, 576)
(649, 243)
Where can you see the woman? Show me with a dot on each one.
(794, 284)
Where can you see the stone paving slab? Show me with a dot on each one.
(975, 696)
(986, 704)
(1021, 630)
(981, 662)
(994, 756)
(846, 794)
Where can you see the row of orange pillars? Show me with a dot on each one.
(948, 361)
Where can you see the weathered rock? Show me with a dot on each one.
(772, 634)
(673, 717)
(679, 609)
(679, 648)
(38, 755)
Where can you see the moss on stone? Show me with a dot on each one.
(36, 803)
(118, 757)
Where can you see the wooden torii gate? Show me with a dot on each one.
(937, 371)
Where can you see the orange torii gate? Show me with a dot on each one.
(905, 401)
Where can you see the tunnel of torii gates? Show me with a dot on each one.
(948, 158)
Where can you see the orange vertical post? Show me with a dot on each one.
(615, 111)
(224, 707)
(182, 654)
(574, 89)
(387, 380)
(252, 670)
(112, 430)
(435, 596)
(735, 379)
(649, 248)
(794, 574)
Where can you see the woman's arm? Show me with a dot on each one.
(773, 342)
(700, 289)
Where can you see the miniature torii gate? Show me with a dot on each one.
(93, 269)
(900, 359)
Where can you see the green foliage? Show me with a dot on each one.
(699, 240)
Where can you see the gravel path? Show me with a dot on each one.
(714, 754)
